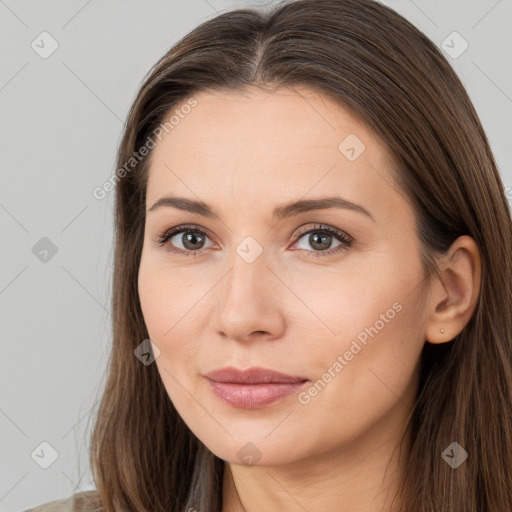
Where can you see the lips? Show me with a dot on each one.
(252, 388)
(251, 376)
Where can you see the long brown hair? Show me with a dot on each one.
(373, 61)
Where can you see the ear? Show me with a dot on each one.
(453, 296)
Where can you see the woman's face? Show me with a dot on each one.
(264, 285)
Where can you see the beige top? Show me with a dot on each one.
(86, 501)
(61, 505)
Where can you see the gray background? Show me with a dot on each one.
(61, 122)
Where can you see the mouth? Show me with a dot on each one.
(252, 388)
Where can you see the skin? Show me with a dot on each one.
(245, 154)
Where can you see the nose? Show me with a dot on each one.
(249, 305)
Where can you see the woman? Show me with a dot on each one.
(311, 307)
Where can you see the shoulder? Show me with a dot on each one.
(62, 505)
(87, 501)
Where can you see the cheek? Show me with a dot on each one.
(171, 321)
(169, 328)
(171, 302)
(375, 295)
(340, 303)
(358, 384)
(371, 364)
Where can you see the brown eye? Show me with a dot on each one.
(320, 239)
(183, 239)
(191, 240)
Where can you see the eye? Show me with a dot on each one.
(320, 237)
(192, 240)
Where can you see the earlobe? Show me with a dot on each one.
(453, 296)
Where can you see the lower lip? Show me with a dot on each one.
(253, 396)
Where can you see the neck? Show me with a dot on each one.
(362, 477)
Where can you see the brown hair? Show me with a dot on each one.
(376, 63)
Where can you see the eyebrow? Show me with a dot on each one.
(279, 213)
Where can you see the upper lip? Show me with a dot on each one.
(251, 376)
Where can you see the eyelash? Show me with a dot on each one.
(346, 240)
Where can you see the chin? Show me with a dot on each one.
(258, 451)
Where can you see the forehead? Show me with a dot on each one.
(282, 118)
(252, 145)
